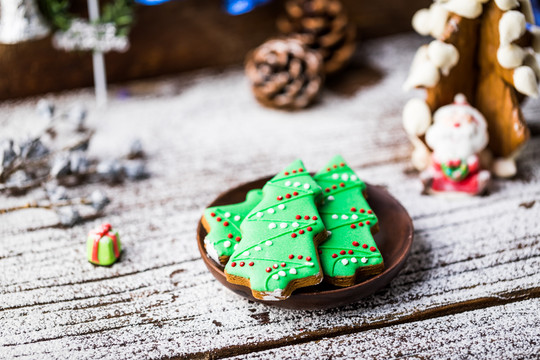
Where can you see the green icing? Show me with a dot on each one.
(348, 218)
(225, 234)
(277, 247)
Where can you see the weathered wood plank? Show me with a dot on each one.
(208, 135)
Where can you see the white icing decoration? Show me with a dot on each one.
(257, 248)
(297, 184)
(259, 214)
(328, 233)
(431, 21)
(511, 26)
(525, 81)
(282, 273)
(364, 260)
(227, 214)
(354, 216)
(506, 5)
(309, 264)
(307, 186)
(268, 243)
(469, 9)
(295, 224)
(335, 176)
(345, 177)
(227, 244)
(293, 271)
(287, 183)
(423, 72)
(237, 218)
(275, 276)
(212, 252)
(283, 225)
(235, 247)
(344, 217)
(416, 117)
(510, 56)
(272, 226)
(330, 198)
(271, 211)
(281, 206)
(246, 253)
(353, 260)
(345, 262)
(444, 56)
(335, 216)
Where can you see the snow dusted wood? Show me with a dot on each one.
(206, 134)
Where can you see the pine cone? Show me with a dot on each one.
(323, 25)
(285, 73)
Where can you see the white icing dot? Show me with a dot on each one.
(271, 211)
(306, 186)
(297, 184)
(235, 246)
(287, 183)
(328, 233)
(246, 253)
(227, 214)
(259, 214)
(275, 276)
(353, 260)
(237, 218)
(354, 216)
(345, 177)
(268, 243)
(345, 262)
(330, 198)
(292, 271)
(258, 248)
(364, 260)
(335, 176)
(272, 226)
(282, 273)
(295, 224)
(353, 177)
(283, 225)
(227, 244)
(281, 206)
(335, 216)
(344, 217)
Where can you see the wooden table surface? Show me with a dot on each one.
(470, 288)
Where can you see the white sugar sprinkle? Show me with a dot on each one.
(268, 243)
(271, 211)
(292, 271)
(227, 214)
(295, 224)
(335, 216)
(227, 244)
(272, 226)
(283, 225)
(345, 262)
(237, 218)
(281, 206)
(353, 260)
(364, 260)
(282, 273)
(275, 276)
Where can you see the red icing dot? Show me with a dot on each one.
(334, 256)
(286, 173)
(280, 197)
(364, 246)
(294, 171)
(334, 187)
(300, 257)
(355, 243)
(353, 226)
(212, 214)
(360, 224)
(353, 209)
(327, 189)
(362, 211)
(309, 228)
(351, 252)
(251, 263)
(308, 258)
(218, 219)
(298, 217)
(314, 218)
(275, 266)
(328, 169)
(342, 184)
(373, 248)
(342, 252)
(295, 193)
(242, 263)
(342, 164)
(300, 170)
(268, 269)
(291, 256)
(370, 212)
(368, 222)
(306, 217)
(238, 238)
(335, 166)
(283, 264)
(230, 236)
(301, 232)
(233, 264)
(293, 235)
(288, 196)
(226, 223)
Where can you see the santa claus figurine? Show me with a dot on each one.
(457, 136)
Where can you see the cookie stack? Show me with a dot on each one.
(296, 231)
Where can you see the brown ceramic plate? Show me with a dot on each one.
(394, 241)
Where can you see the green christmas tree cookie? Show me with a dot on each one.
(278, 252)
(350, 251)
(103, 246)
(223, 226)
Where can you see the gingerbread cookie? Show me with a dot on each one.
(278, 251)
(350, 251)
(223, 226)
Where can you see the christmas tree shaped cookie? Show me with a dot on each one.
(278, 252)
(350, 251)
(223, 226)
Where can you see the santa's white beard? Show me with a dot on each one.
(451, 143)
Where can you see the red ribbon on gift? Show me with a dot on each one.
(98, 235)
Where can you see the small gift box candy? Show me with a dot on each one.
(103, 246)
